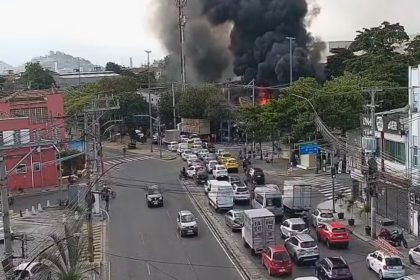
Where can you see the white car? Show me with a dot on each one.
(192, 170)
(173, 146)
(202, 153)
(186, 153)
(414, 255)
(191, 158)
(186, 223)
(195, 148)
(210, 165)
(293, 226)
(209, 156)
(219, 170)
(198, 141)
(240, 193)
(220, 152)
(385, 265)
(34, 270)
(181, 148)
(320, 215)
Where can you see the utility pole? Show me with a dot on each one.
(8, 250)
(150, 101)
(253, 105)
(372, 166)
(291, 57)
(182, 21)
(173, 103)
(333, 174)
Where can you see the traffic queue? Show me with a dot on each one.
(217, 171)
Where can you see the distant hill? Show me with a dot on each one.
(4, 67)
(57, 61)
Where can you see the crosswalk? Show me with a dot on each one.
(323, 184)
(121, 160)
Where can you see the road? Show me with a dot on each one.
(143, 242)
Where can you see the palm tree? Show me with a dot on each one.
(64, 258)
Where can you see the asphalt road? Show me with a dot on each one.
(143, 242)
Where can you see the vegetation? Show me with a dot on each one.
(36, 77)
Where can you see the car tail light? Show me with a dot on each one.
(385, 267)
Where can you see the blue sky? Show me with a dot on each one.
(111, 30)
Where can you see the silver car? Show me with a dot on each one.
(302, 248)
(186, 223)
(292, 227)
(234, 219)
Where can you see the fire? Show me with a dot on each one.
(264, 96)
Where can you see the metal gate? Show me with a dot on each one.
(392, 203)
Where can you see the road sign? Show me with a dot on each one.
(308, 149)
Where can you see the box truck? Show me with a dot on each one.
(297, 197)
(258, 231)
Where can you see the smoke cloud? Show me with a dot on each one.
(246, 35)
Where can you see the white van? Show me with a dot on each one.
(182, 147)
(269, 197)
(220, 194)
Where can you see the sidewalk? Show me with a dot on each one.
(358, 230)
(143, 149)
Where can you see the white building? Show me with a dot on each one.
(153, 96)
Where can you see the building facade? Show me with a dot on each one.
(31, 130)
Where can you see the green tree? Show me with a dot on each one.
(413, 50)
(114, 67)
(166, 113)
(384, 39)
(64, 258)
(37, 77)
(336, 63)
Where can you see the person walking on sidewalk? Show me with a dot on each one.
(107, 195)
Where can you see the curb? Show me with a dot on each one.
(38, 193)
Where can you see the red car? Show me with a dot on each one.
(333, 233)
(277, 260)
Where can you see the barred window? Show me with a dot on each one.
(35, 115)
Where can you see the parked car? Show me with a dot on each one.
(195, 148)
(333, 268)
(277, 260)
(219, 170)
(186, 223)
(385, 265)
(241, 193)
(414, 255)
(173, 146)
(219, 152)
(333, 234)
(234, 219)
(321, 215)
(210, 165)
(202, 153)
(192, 170)
(154, 196)
(224, 157)
(185, 154)
(201, 177)
(255, 175)
(302, 248)
(33, 271)
(191, 158)
(292, 227)
(231, 165)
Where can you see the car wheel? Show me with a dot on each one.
(381, 276)
(262, 261)
(410, 257)
(148, 205)
(313, 223)
(368, 265)
(316, 273)
(328, 244)
(283, 236)
(245, 244)
(196, 233)
(181, 233)
(295, 258)
(269, 271)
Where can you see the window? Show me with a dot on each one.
(259, 199)
(35, 115)
(395, 151)
(415, 156)
(36, 166)
(16, 137)
(415, 140)
(21, 169)
(379, 258)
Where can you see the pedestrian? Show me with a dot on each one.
(124, 151)
(107, 194)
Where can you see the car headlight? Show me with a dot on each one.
(160, 198)
(148, 198)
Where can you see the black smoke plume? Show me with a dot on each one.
(250, 34)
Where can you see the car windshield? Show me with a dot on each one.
(281, 256)
(202, 175)
(308, 244)
(327, 215)
(274, 201)
(21, 274)
(339, 230)
(393, 262)
(153, 191)
(235, 178)
(241, 189)
(340, 271)
(187, 218)
(298, 227)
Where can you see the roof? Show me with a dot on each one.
(303, 237)
(24, 95)
(278, 248)
(403, 110)
(255, 213)
(296, 221)
(336, 261)
(185, 212)
(22, 266)
(335, 224)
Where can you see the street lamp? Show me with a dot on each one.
(150, 101)
(291, 57)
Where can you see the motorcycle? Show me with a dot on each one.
(183, 175)
(395, 238)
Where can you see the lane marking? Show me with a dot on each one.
(167, 213)
(142, 239)
(213, 233)
(148, 269)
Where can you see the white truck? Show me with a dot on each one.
(258, 230)
(172, 135)
(296, 197)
